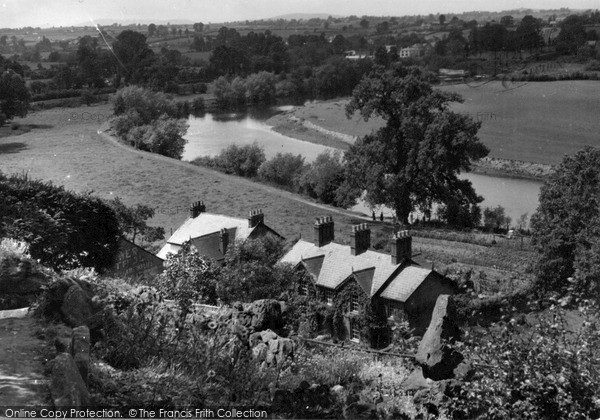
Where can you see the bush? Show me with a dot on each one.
(537, 371)
(187, 275)
(283, 169)
(240, 160)
(323, 177)
(63, 229)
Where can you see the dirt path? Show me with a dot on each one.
(22, 380)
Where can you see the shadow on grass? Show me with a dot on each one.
(40, 126)
(13, 147)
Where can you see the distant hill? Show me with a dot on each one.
(303, 16)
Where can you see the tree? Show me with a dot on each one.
(442, 19)
(414, 160)
(133, 55)
(151, 29)
(571, 36)
(529, 33)
(283, 169)
(323, 177)
(167, 137)
(364, 24)
(198, 27)
(260, 87)
(241, 160)
(507, 21)
(566, 225)
(14, 95)
(251, 272)
(133, 221)
(188, 275)
(495, 218)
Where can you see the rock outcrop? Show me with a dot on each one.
(435, 355)
(67, 388)
(269, 349)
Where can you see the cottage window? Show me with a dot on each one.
(304, 289)
(328, 296)
(354, 332)
(354, 306)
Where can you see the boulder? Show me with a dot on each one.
(254, 339)
(71, 301)
(80, 350)
(67, 388)
(22, 280)
(416, 381)
(259, 352)
(62, 340)
(435, 356)
(266, 314)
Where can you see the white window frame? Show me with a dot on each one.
(354, 333)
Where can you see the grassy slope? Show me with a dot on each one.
(536, 122)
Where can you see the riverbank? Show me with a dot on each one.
(292, 124)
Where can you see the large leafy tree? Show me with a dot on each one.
(415, 159)
(133, 221)
(14, 95)
(567, 224)
(134, 57)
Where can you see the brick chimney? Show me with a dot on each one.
(255, 217)
(223, 240)
(324, 232)
(196, 208)
(360, 238)
(401, 246)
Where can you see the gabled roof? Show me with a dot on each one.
(203, 230)
(332, 264)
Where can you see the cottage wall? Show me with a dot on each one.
(135, 263)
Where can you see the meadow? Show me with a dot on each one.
(536, 122)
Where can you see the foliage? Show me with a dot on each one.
(189, 276)
(251, 272)
(240, 160)
(63, 229)
(542, 371)
(323, 177)
(283, 169)
(189, 349)
(148, 121)
(566, 224)
(495, 218)
(414, 160)
(460, 216)
(14, 95)
(132, 221)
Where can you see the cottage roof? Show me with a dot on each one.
(203, 230)
(330, 265)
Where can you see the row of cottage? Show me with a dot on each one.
(393, 282)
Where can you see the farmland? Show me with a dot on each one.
(534, 122)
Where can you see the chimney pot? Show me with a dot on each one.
(401, 248)
(324, 232)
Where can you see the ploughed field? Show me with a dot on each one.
(533, 122)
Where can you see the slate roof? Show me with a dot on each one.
(203, 231)
(331, 264)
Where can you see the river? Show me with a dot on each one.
(209, 134)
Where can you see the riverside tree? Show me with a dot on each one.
(566, 226)
(414, 160)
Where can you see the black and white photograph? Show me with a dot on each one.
(285, 209)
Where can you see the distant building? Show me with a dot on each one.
(414, 51)
(134, 262)
(549, 34)
(393, 283)
(211, 234)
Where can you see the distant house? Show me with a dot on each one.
(393, 283)
(414, 51)
(211, 234)
(135, 263)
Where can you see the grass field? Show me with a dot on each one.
(534, 122)
(69, 151)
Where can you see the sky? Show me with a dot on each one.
(46, 13)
